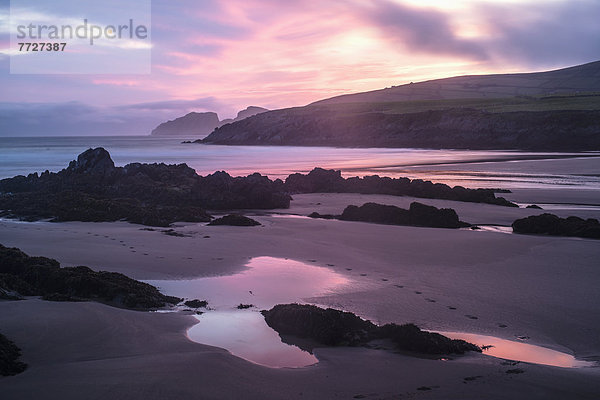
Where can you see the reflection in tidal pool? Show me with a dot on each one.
(518, 351)
(266, 282)
(246, 335)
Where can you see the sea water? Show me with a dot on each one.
(469, 168)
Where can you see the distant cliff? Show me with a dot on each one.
(565, 130)
(195, 124)
(190, 124)
(248, 112)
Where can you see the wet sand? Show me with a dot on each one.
(505, 285)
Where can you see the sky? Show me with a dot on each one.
(222, 56)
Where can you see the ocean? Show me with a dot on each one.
(469, 168)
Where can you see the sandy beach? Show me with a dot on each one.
(540, 288)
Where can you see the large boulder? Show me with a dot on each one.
(93, 161)
(550, 224)
(326, 326)
(234, 220)
(417, 215)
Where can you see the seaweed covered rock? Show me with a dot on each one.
(235, 220)
(410, 337)
(320, 180)
(417, 215)
(93, 189)
(326, 326)
(41, 276)
(550, 224)
(196, 303)
(9, 358)
(338, 328)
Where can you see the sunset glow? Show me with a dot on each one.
(224, 56)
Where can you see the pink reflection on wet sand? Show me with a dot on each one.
(246, 335)
(266, 282)
(517, 351)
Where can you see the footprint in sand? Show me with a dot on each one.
(417, 292)
(206, 237)
(384, 279)
(451, 308)
(399, 286)
(331, 265)
(363, 274)
(313, 261)
(348, 269)
(431, 300)
(471, 316)
(502, 326)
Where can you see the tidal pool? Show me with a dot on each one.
(266, 281)
(519, 351)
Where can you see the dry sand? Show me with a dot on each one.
(545, 288)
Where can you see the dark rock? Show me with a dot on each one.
(417, 215)
(322, 216)
(196, 303)
(330, 181)
(234, 220)
(410, 338)
(515, 371)
(337, 328)
(535, 206)
(41, 276)
(93, 189)
(9, 358)
(550, 224)
(59, 297)
(326, 326)
(93, 161)
(172, 232)
(244, 306)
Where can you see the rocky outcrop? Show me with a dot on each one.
(9, 358)
(338, 328)
(417, 215)
(41, 276)
(196, 303)
(93, 189)
(550, 224)
(234, 220)
(190, 124)
(195, 124)
(331, 181)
